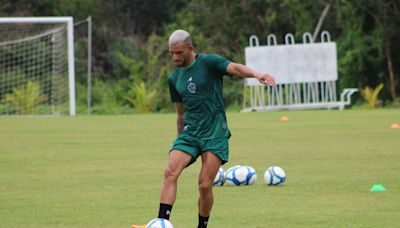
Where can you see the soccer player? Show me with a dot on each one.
(202, 131)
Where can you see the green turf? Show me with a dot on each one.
(106, 171)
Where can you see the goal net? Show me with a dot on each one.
(37, 66)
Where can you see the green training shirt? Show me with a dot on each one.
(199, 88)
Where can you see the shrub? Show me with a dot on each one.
(370, 95)
(141, 99)
(25, 99)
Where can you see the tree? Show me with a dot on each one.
(386, 16)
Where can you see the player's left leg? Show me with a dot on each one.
(209, 169)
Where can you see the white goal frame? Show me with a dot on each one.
(70, 43)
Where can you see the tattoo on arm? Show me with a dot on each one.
(180, 124)
(180, 120)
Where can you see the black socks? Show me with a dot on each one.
(203, 221)
(165, 211)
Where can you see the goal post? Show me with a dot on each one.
(37, 58)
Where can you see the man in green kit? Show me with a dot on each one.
(202, 131)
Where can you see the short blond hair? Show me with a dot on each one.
(179, 36)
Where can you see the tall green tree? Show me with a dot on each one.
(386, 14)
(130, 36)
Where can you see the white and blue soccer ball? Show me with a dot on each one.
(219, 179)
(274, 175)
(240, 175)
(159, 223)
(253, 175)
(230, 169)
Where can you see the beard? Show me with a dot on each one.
(179, 63)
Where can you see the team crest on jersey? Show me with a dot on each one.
(191, 87)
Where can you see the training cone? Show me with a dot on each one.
(378, 188)
(284, 118)
(395, 125)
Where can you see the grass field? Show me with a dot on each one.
(106, 171)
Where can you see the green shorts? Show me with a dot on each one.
(195, 146)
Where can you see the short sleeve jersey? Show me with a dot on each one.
(199, 88)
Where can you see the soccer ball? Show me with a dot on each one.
(230, 169)
(159, 223)
(219, 179)
(253, 175)
(240, 175)
(274, 175)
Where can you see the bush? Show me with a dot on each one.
(25, 99)
(393, 104)
(141, 99)
(107, 98)
(370, 95)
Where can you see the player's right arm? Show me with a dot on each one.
(180, 119)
